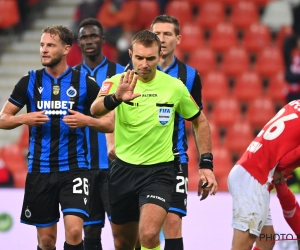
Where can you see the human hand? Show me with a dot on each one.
(126, 87)
(111, 151)
(35, 118)
(278, 177)
(207, 183)
(75, 119)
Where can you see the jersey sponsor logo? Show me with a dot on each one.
(55, 89)
(71, 92)
(164, 115)
(105, 88)
(40, 89)
(55, 107)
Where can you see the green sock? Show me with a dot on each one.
(156, 248)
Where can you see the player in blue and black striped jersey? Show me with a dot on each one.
(97, 66)
(168, 30)
(58, 100)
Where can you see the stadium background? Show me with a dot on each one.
(236, 45)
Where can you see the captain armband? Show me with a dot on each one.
(111, 102)
(206, 161)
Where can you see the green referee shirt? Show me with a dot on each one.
(144, 126)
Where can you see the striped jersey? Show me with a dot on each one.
(54, 146)
(190, 77)
(96, 142)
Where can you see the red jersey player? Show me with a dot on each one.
(289, 204)
(249, 179)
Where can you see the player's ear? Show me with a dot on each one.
(67, 49)
(130, 53)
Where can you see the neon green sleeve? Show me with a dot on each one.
(187, 106)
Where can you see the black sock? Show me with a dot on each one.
(92, 244)
(38, 248)
(138, 248)
(73, 247)
(174, 244)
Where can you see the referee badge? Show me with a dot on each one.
(56, 89)
(71, 92)
(27, 213)
(164, 115)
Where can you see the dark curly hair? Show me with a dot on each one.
(63, 32)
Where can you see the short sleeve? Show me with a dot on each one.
(187, 106)
(109, 86)
(92, 89)
(19, 95)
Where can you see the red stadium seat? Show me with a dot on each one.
(269, 62)
(10, 15)
(247, 87)
(261, 3)
(226, 111)
(235, 61)
(223, 37)
(243, 14)
(214, 134)
(222, 161)
(257, 37)
(148, 10)
(211, 13)
(260, 111)
(192, 37)
(181, 10)
(243, 130)
(196, 2)
(15, 160)
(285, 31)
(203, 59)
(278, 89)
(229, 2)
(214, 86)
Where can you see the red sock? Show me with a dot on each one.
(290, 206)
(255, 248)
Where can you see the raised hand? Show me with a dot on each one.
(125, 90)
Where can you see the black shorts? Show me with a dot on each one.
(99, 203)
(180, 190)
(131, 186)
(45, 191)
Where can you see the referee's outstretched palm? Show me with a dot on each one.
(126, 87)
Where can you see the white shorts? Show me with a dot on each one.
(250, 201)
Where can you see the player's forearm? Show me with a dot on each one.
(102, 124)
(98, 108)
(202, 134)
(10, 121)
